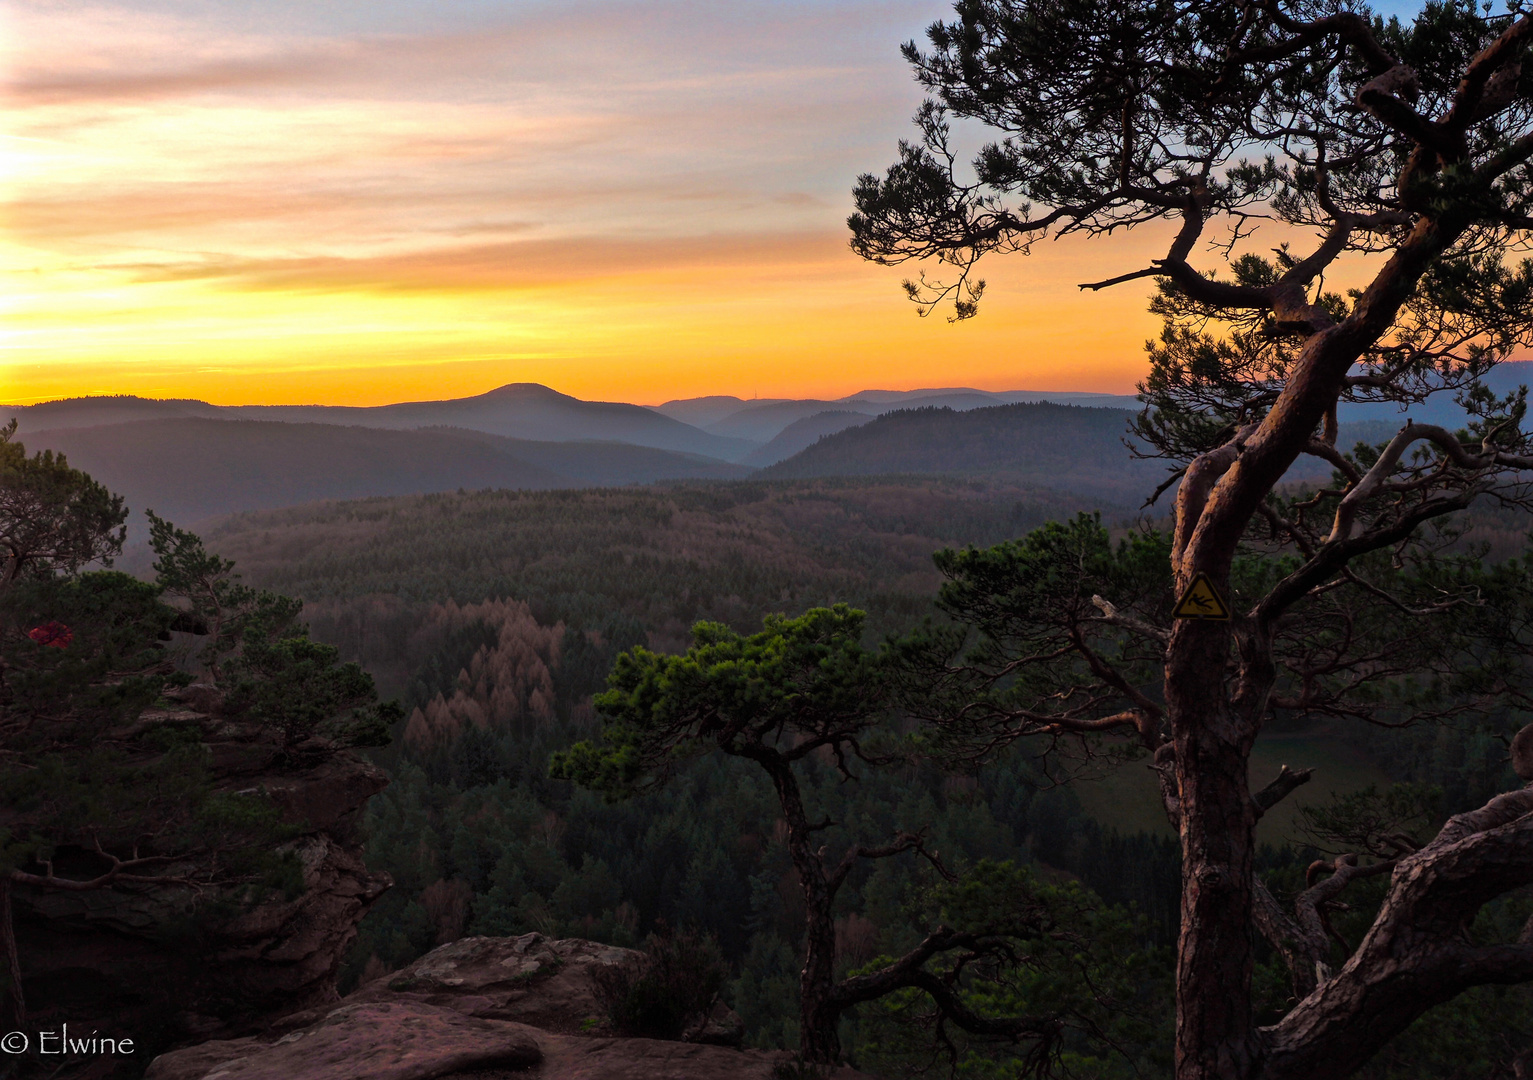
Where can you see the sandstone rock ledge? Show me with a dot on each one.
(530, 979)
(477, 1009)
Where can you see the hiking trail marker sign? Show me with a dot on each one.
(1201, 601)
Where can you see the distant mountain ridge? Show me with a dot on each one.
(1067, 448)
(720, 425)
(517, 410)
(1063, 447)
(802, 434)
(176, 456)
(764, 420)
(194, 468)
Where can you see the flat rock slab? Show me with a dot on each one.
(413, 1041)
(368, 1041)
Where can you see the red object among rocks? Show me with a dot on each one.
(52, 635)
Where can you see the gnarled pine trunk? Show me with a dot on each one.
(1215, 1038)
(819, 1011)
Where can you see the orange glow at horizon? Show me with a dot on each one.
(805, 318)
(364, 203)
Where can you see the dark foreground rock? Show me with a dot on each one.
(544, 982)
(369, 1041)
(480, 1008)
(413, 1041)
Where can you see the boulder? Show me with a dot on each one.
(721, 1027)
(529, 979)
(1522, 753)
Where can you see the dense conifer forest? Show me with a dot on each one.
(497, 615)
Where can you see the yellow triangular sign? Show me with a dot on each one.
(1201, 601)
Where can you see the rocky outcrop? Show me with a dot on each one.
(529, 979)
(487, 1008)
(169, 963)
(413, 1041)
(246, 988)
(543, 982)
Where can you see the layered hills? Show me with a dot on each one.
(1083, 451)
(191, 468)
(1064, 447)
(762, 421)
(193, 460)
(517, 410)
(804, 433)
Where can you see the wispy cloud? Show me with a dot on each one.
(98, 87)
(181, 176)
(513, 265)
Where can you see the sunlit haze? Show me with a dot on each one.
(364, 202)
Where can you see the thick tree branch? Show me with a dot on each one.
(1289, 940)
(1197, 483)
(1348, 26)
(1486, 86)
(1415, 955)
(1144, 707)
(1382, 96)
(1331, 558)
(116, 873)
(908, 969)
(909, 972)
(905, 841)
(1310, 904)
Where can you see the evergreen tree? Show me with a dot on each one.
(804, 688)
(1400, 150)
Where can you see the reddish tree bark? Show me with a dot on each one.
(1164, 111)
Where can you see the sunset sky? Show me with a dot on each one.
(365, 201)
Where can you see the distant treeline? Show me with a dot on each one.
(660, 557)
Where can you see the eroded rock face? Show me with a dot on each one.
(164, 964)
(1522, 753)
